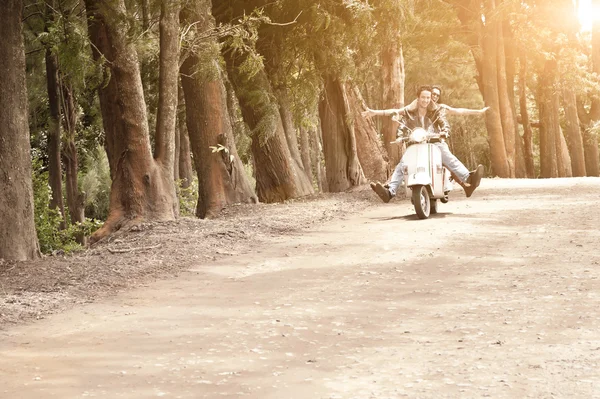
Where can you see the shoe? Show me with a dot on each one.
(381, 191)
(474, 180)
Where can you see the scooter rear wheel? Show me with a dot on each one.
(420, 198)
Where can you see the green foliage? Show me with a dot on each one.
(96, 183)
(54, 233)
(188, 197)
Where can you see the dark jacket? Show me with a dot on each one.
(435, 118)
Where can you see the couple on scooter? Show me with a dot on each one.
(428, 115)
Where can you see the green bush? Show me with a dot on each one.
(95, 183)
(188, 197)
(54, 233)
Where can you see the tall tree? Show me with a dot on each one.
(527, 132)
(183, 163)
(278, 175)
(339, 140)
(54, 122)
(589, 118)
(18, 239)
(573, 132)
(221, 176)
(506, 106)
(142, 185)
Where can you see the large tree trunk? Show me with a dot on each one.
(305, 151)
(278, 177)
(562, 151)
(54, 133)
(75, 199)
(317, 158)
(370, 151)
(142, 186)
(493, 121)
(511, 65)
(183, 163)
(506, 111)
(392, 71)
(339, 143)
(221, 176)
(291, 137)
(549, 123)
(18, 240)
(527, 132)
(573, 132)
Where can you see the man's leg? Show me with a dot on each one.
(468, 180)
(386, 194)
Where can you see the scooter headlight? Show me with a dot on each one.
(418, 135)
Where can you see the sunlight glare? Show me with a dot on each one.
(587, 14)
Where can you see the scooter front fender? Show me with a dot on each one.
(421, 178)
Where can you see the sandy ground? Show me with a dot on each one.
(497, 296)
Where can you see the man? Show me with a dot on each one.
(436, 94)
(426, 116)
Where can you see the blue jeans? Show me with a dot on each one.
(448, 160)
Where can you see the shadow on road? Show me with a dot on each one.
(414, 217)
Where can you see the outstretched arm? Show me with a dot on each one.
(387, 112)
(463, 111)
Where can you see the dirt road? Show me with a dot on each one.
(497, 296)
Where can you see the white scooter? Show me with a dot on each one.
(426, 180)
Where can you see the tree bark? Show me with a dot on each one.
(393, 73)
(493, 121)
(278, 177)
(221, 176)
(18, 240)
(75, 199)
(317, 159)
(506, 111)
(305, 151)
(184, 160)
(142, 187)
(527, 132)
(371, 153)
(289, 129)
(548, 121)
(54, 133)
(511, 64)
(339, 143)
(573, 132)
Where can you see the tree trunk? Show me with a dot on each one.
(370, 151)
(289, 129)
(221, 176)
(527, 132)
(305, 151)
(573, 132)
(506, 112)
(180, 114)
(511, 63)
(339, 143)
(392, 71)
(562, 151)
(142, 187)
(18, 240)
(54, 133)
(493, 121)
(184, 160)
(317, 159)
(278, 177)
(75, 199)
(548, 121)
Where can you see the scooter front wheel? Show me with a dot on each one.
(420, 198)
